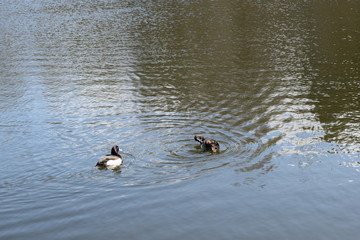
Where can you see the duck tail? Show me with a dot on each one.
(199, 138)
(98, 164)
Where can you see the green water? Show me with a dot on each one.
(276, 84)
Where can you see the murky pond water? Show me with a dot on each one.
(277, 84)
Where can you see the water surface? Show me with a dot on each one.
(277, 84)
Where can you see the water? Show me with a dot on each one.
(277, 84)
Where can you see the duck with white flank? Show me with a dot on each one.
(207, 144)
(111, 161)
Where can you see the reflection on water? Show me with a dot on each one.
(335, 86)
(276, 84)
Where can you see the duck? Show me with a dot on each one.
(207, 144)
(113, 160)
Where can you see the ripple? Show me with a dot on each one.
(161, 148)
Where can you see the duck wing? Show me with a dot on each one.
(210, 142)
(102, 162)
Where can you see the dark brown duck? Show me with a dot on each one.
(207, 144)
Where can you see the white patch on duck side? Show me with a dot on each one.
(114, 163)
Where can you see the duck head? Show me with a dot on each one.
(215, 147)
(115, 150)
